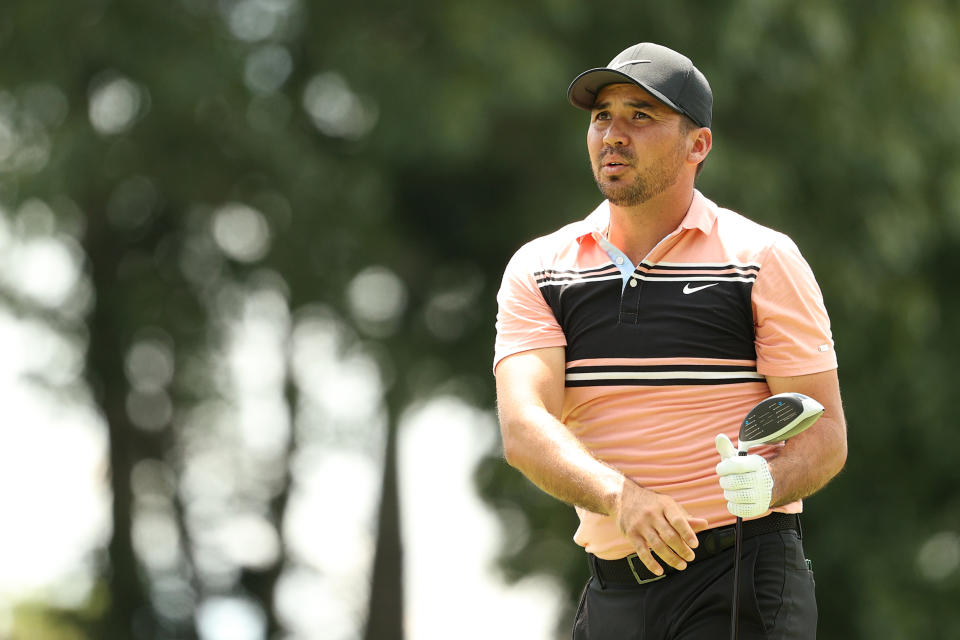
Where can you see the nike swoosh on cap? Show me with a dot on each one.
(626, 62)
(688, 289)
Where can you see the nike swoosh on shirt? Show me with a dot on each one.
(688, 289)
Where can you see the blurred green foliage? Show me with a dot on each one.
(433, 139)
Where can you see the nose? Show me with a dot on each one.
(615, 135)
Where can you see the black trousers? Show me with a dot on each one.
(777, 600)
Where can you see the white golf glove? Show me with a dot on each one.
(746, 481)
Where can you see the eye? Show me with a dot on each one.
(640, 115)
(601, 115)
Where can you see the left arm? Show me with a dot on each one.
(792, 335)
(807, 462)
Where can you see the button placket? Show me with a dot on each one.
(630, 301)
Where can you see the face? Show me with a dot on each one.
(637, 144)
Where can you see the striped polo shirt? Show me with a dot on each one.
(664, 355)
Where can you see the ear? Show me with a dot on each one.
(702, 143)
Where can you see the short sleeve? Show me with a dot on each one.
(524, 319)
(792, 327)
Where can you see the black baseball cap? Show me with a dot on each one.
(666, 74)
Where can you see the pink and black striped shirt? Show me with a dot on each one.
(664, 355)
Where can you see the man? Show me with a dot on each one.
(626, 342)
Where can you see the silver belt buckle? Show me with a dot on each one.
(636, 576)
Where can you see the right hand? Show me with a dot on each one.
(656, 523)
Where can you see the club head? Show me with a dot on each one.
(778, 418)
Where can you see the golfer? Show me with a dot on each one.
(628, 340)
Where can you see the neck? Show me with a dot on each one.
(636, 230)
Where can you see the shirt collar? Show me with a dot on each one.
(701, 215)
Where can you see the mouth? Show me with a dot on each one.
(614, 160)
(614, 166)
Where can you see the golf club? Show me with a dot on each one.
(775, 419)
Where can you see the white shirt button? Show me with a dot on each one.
(633, 283)
(620, 260)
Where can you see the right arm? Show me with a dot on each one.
(530, 389)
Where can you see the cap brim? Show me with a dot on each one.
(582, 92)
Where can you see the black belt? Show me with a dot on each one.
(630, 571)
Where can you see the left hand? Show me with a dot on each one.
(746, 481)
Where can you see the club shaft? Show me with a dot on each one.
(735, 610)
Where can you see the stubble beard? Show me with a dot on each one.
(646, 185)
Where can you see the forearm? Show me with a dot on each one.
(550, 456)
(808, 462)
(530, 396)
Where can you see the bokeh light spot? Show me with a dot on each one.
(335, 109)
(241, 232)
(114, 105)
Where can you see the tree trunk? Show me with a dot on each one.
(385, 613)
(130, 613)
